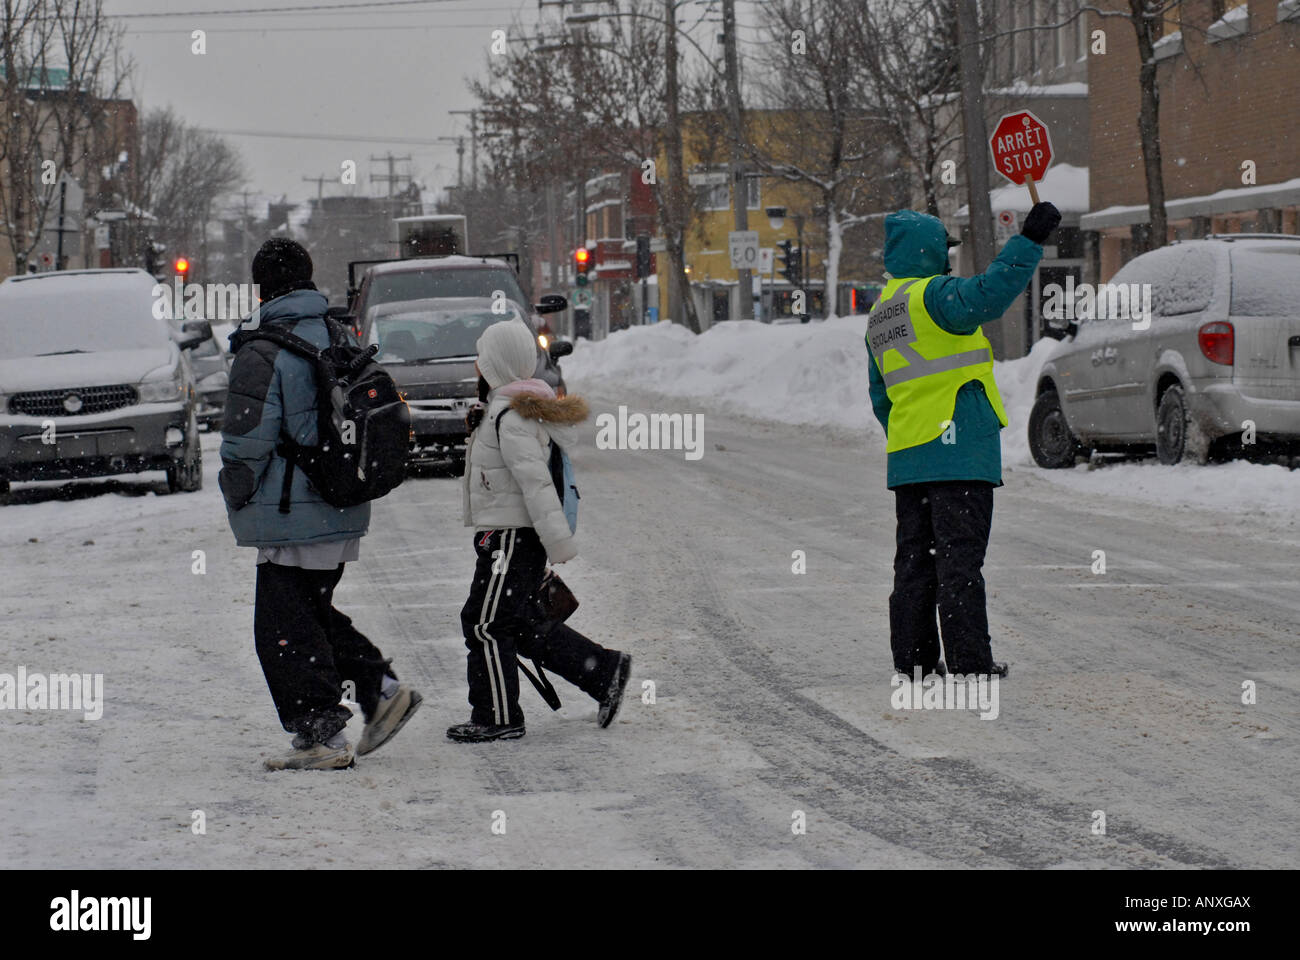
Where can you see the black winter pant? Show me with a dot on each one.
(499, 622)
(308, 650)
(943, 532)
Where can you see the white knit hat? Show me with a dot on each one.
(507, 351)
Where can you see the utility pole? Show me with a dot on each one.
(675, 226)
(473, 144)
(320, 186)
(739, 185)
(975, 142)
(392, 177)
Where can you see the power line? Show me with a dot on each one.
(334, 29)
(358, 138)
(309, 8)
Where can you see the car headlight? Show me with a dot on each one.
(163, 391)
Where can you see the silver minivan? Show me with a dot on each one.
(1216, 369)
(92, 383)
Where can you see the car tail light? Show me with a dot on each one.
(1215, 340)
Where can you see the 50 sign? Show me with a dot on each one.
(744, 248)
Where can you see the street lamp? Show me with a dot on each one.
(776, 217)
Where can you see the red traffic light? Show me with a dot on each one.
(182, 265)
(582, 255)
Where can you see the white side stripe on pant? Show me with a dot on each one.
(492, 654)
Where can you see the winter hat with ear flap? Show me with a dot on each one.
(507, 351)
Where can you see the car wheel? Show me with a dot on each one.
(4, 492)
(186, 476)
(1051, 443)
(1178, 436)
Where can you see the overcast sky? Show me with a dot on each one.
(392, 70)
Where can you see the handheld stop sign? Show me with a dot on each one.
(1022, 149)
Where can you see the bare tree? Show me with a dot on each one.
(597, 101)
(822, 134)
(62, 65)
(913, 85)
(180, 176)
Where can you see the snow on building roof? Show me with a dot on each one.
(1064, 185)
(1284, 194)
(1022, 89)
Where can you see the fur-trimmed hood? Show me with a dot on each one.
(560, 411)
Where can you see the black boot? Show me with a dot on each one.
(483, 732)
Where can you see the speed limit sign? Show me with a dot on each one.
(744, 249)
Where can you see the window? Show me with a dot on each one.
(715, 196)
(1265, 283)
(613, 220)
(753, 193)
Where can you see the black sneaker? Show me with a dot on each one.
(613, 698)
(483, 732)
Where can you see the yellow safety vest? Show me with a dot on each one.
(923, 365)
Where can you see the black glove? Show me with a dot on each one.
(474, 416)
(1040, 223)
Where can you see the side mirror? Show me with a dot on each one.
(194, 333)
(1059, 331)
(551, 303)
(559, 348)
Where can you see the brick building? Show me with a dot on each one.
(1229, 82)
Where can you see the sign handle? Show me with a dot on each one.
(1033, 188)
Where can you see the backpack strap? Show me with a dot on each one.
(542, 682)
(498, 422)
(287, 448)
(282, 338)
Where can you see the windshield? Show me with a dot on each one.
(88, 319)
(1265, 283)
(461, 282)
(434, 334)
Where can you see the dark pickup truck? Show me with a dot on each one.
(426, 315)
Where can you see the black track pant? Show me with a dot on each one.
(308, 650)
(498, 620)
(943, 531)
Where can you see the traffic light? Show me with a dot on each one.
(791, 258)
(182, 267)
(581, 264)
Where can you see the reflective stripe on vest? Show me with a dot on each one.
(922, 383)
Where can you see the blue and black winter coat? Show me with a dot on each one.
(916, 246)
(272, 396)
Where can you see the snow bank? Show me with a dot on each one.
(816, 374)
(812, 373)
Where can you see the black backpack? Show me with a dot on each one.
(354, 394)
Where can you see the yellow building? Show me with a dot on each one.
(714, 283)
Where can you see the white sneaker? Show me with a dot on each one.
(317, 756)
(390, 716)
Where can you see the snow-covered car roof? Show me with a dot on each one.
(437, 263)
(440, 305)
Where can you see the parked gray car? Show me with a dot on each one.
(1218, 366)
(210, 364)
(92, 383)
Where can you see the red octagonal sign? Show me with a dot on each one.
(1021, 146)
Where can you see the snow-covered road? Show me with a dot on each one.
(771, 688)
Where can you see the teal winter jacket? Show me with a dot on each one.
(916, 246)
(273, 395)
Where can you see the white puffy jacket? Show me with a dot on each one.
(508, 481)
